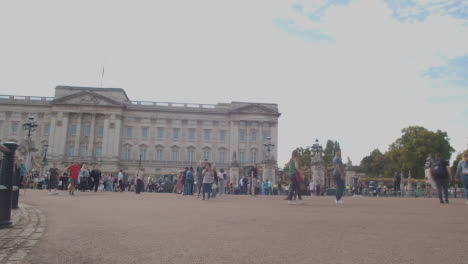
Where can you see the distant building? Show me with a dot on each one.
(103, 126)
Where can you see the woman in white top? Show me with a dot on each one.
(208, 179)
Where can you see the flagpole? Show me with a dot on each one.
(102, 75)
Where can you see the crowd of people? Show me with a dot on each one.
(206, 181)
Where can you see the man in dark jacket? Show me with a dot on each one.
(441, 174)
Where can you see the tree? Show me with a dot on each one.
(329, 153)
(373, 165)
(410, 151)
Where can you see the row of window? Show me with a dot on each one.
(190, 155)
(159, 154)
(84, 151)
(87, 130)
(160, 133)
(191, 134)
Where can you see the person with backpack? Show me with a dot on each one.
(294, 176)
(441, 174)
(462, 173)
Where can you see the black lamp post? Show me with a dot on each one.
(30, 125)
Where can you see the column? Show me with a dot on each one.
(52, 136)
(116, 139)
(78, 135)
(234, 140)
(91, 136)
(62, 135)
(105, 139)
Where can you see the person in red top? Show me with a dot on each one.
(74, 170)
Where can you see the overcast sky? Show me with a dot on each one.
(354, 71)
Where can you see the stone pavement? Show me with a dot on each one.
(167, 228)
(16, 242)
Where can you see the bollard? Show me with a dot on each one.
(6, 182)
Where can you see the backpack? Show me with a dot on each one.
(438, 168)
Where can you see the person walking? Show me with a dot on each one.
(74, 170)
(293, 171)
(139, 182)
(208, 179)
(189, 182)
(462, 173)
(121, 181)
(52, 176)
(396, 183)
(64, 180)
(84, 175)
(178, 188)
(254, 177)
(441, 174)
(96, 177)
(222, 182)
(200, 178)
(339, 175)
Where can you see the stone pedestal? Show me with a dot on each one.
(318, 171)
(269, 171)
(234, 175)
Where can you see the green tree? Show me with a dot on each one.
(409, 152)
(373, 165)
(329, 153)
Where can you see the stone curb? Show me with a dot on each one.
(18, 241)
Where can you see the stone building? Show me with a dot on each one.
(103, 126)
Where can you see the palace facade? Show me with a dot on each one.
(103, 126)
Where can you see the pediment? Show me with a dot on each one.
(86, 98)
(255, 109)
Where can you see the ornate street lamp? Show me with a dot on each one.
(317, 149)
(30, 125)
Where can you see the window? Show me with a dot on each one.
(129, 132)
(14, 127)
(73, 130)
(221, 157)
(241, 157)
(176, 133)
(71, 151)
(84, 151)
(242, 136)
(207, 135)
(254, 156)
(222, 136)
(100, 131)
(1, 124)
(206, 155)
(46, 129)
(127, 153)
(254, 136)
(192, 134)
(98, 152)
(158, 154)
(265, 136)
(143, 154)
(190, 156)
(144, 132)
(175, 155)
(86, 130)
(160, 133)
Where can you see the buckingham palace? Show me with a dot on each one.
(103, 126)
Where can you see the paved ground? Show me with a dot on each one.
(168, 228)
(18, 240)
